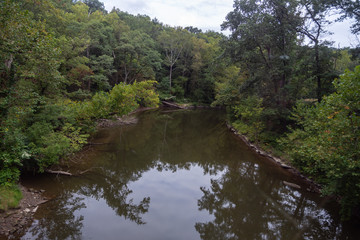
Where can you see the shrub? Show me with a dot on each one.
(327, 143)
(145, 94)
(122, 99)
(249, 117)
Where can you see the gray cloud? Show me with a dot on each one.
(137, 5)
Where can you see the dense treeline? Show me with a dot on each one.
(66, 63)
(285, 96)
(58, 59)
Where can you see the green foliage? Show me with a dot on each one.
(54, 145)
(99, 106)
(121, 100)
(178, 88)
(327, 145)
(146, 95)
(12, 150)
(49, 143)
(227, 87)
(9, 169)
(44, 137)
(136, 57)
(263, 41)
(102, 68)
(249, 114)
(10, 196)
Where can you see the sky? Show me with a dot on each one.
(208, 15)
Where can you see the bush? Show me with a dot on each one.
(99, 106)
(145, 94)
(249, 117)
(122, 99)
(327, 143)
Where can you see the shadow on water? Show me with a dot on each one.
(180, 175)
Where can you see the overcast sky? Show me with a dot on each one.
(206, 15)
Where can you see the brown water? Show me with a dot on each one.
(180, 175)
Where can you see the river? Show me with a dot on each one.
(179, 175)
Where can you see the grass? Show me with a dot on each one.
(10, 197)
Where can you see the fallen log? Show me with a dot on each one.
(173, 105)
(91, 143)
(291, 185)
(169, 98)
(58, 172)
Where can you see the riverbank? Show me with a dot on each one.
(312, 186)
(14, 222)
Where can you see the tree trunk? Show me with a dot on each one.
(170, 75)
(318, 77)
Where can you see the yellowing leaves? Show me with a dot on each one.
(332, 115)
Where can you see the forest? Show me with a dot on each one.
(64, 64)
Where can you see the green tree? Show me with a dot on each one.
(263, 40)
(141, 23)
(249, 114)
(173, 43)
(102, 68)
(314, 28)
(136, 57)
(95, 5)
(199, 66)
(29, 79)
(327, 146)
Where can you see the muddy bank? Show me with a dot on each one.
(312, 186)
(14, 222)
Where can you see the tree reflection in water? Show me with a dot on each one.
(245, 198)
(159, 141)
(66, 225)
(60, 218)
(246, 206)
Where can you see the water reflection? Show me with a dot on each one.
(173, 171)
(248, 206)
(63, 217)
(70, 224)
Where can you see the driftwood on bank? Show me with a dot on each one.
(172, 105)
(58, 172)
(293, 185)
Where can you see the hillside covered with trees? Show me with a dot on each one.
(65, 63)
